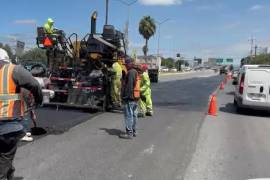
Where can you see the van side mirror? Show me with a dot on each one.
(235, 83)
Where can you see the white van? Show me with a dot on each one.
(253, 87)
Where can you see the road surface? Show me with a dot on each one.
(232, 146)
(93, 150)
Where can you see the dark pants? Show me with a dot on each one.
(8, 147)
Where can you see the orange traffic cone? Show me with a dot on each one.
(47, 42)
(213, 106)
(221, 86)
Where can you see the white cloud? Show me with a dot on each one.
(256, 7)
(26, 21)
(161, 2)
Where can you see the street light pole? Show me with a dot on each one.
(128, 18)
(107, 11)
(159, 26)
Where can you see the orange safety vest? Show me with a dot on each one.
(137, 87)
(11, 102)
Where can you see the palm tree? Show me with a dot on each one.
(147, 29)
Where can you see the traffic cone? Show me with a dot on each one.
(221, 86)
(213, 106)
(47, 42)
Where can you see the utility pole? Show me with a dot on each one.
(159, 25)
(252, 40)
(126, 31)
(107, 11)
(256, 47)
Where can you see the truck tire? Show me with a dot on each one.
(104, 107)
(155, 78)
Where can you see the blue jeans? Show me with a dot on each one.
(131, 115)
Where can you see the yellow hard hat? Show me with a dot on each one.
(50, 20)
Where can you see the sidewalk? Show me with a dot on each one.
(232, 146)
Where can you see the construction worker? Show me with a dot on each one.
(145, 102)
(48, 26)
(131, 95)
(12, 79)
(116, 84)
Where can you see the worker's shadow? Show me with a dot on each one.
(113, 132)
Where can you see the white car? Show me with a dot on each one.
(164, 70)
(252, 90)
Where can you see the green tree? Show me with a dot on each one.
(35, 54)
(167, 62)
(147, 28)
(261, 59)
(178, 64)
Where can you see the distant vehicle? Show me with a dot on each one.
(187, 69)
(252, 88)
(223, 70)
(154, 64)
(235, 75)
(173, 70)
(164, 69)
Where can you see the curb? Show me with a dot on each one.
(178, 73)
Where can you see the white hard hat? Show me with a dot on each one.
(4, 55)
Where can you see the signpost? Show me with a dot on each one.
(19, 48)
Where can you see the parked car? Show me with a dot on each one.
(252, 88)
(173, 70)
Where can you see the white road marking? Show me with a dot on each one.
(149, 150)
(130, 176)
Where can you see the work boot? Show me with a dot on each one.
(134, 133)
(28, 137)
(127, 135)
(10, 174)
(149, 113)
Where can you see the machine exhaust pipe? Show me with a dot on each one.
(94, 23)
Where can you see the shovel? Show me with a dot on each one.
(37, 131)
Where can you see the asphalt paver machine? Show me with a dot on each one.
(80, 71)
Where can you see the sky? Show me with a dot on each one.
(196, 28)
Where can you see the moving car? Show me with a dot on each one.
(253, 87)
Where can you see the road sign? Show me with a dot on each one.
(20, 48)
(229, 60)
(219, 60)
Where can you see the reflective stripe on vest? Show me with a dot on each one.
(137, 87)
(11, 105)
